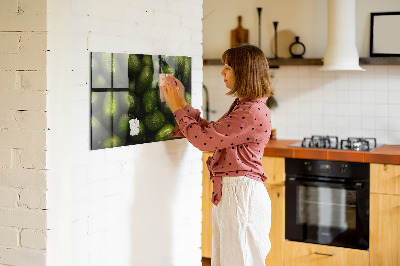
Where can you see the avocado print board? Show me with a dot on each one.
(126, 105)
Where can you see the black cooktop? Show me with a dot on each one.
(332, 142)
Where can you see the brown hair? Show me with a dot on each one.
(250, 66)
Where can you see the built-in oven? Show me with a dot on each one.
(327, 202)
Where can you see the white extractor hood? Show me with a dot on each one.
(341, 51)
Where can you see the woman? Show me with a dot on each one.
(242, 208)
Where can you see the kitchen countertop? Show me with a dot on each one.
(389, 154)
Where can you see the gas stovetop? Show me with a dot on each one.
(332, 142)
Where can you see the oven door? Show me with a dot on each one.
(327, 213)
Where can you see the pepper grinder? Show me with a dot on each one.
(276, 38)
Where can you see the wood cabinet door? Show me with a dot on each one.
(206, 226)
(277, 233)
(384, 236)
(304, 254)
(385, 178)
(274, 168)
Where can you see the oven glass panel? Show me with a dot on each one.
(326, 207)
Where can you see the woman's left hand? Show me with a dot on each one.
(170, 90)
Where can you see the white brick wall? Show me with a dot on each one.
(135, 205)
(23, 132)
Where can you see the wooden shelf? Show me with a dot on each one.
(380, 61)
(274, 63)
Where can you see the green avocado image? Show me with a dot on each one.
(168, 69)
(187, 71)
(147, 60)
(150, 100)
(120, 72)
(165, 108)
(154, 121)
(134, 65)
(180, 63)
(110, 105)
(123, 125)
(100, 81)
(113, 141)
(99, 133)
(145, 80)
(132, 86)
(164, 132)
(95, 102)
(95, 65)
(129, 101)
(139, 111)
(106, 62)
(188, 98)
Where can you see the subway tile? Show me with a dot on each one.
(394, 97)
(381, 110)
(380, 84)
(394, 110)
(380, 97)
(394, 137)
(382, 136)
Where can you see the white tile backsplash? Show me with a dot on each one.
(343, 103)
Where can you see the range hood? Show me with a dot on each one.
(341, 51)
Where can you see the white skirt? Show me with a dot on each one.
(241, 223)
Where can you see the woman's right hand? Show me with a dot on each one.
(181, 91)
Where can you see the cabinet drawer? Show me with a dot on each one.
(304, 254)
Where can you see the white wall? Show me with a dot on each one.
(306, 19)
(311, 102)
(23, 133)
(133, 205)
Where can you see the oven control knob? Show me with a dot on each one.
(308, 166)
(343, 168)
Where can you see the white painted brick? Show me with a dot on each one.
(30, 80)
(22, 100)
(8, 6)
(98, 222)
(8, 80)
(17, 256)
(13, 119)
(9, 237)
(23, 178)
(32, 61)
(8, 197)
(37, 7)
(15, 139)
(33, 239)
(23, 22)
(23, 218)
(5, 158)
(9, 42)
(33, 199)
(33, 159)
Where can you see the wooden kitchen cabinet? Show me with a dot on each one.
(384, 215)
(274, 168)
(305, 254)
(385, 178)
(206, 225)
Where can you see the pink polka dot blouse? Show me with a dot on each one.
(238, 139)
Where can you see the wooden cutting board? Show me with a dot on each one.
(239, 35)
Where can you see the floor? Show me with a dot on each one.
(206, 261)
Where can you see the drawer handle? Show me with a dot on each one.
(324, 254)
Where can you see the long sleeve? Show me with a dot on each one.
(231, 130)
(193, 113)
